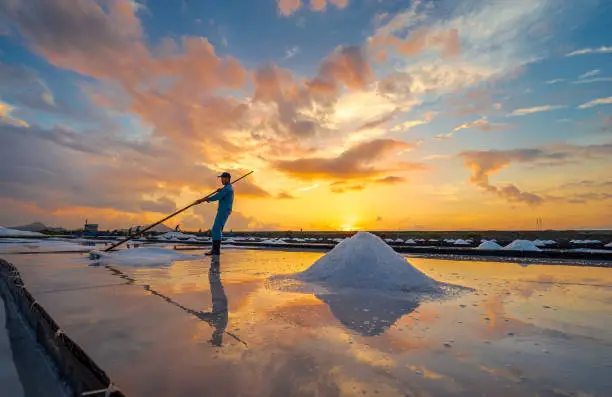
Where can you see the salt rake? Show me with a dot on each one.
(98, 254)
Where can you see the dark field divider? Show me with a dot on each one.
(74, 366)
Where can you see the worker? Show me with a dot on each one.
(225, 197)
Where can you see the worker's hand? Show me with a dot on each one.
(202, 200)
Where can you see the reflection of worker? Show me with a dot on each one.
(225, 197)
(218, 318)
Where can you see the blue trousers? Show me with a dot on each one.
(217, 228)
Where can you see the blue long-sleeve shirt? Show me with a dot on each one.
(225, 196)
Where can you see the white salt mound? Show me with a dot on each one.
(175, 236)
(273, 241)
(591, 251)
(144, 257)
(489, 245)
(462, 242)
(609, 245)
(16, 233)
(410, 241)
(366, 261)
(522, 245)
(585, 241)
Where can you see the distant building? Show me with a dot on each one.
(90, 228)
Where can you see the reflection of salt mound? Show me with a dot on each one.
(522, 245)
(365, 261)
(489, 245)
(369, 314)
(144, 257)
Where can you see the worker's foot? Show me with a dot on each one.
(216, 248)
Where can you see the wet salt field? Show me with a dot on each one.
(536, 330)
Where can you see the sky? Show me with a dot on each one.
(354, 114)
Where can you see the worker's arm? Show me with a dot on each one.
(219, 195)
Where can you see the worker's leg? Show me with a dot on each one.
(217, 229)
(217, 233)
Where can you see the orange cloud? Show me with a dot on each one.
(358, 162)
(163, 205)
(483, 164)
(478, 102)
(250, 189)
(6, 117)
(482, 124)
(291, 99)
(342, 187)
(321, 5)
(347, 66)
(288, 7)
(390, 180)
(340, 3)
(318, 5)
(299, 108)
(284, 195)
(420, 40)
(171, 88)
(377, 122)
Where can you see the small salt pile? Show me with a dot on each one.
(365, 261)
(489, 245)
(175, 236)
(17, 233)
(522, 245)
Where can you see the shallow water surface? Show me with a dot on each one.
(196, 329)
